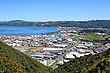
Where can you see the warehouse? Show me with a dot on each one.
(52, 49)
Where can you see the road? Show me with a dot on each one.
(60, 58)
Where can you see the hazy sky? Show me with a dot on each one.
(48, 10)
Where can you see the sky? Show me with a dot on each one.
(54, 10)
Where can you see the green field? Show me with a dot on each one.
(94, 37)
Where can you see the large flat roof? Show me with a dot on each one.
(52, 49)
(60, 45)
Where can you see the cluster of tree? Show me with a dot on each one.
(82, 24)
(99, 63)
(13, 61)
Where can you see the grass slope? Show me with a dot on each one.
(12, 61)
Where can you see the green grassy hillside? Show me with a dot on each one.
(99, 63)
(12, 61)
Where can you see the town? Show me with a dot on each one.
(53, 50)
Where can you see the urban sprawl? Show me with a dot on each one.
(55, 49)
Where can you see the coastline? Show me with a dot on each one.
(55, 32)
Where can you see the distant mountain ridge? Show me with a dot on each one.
(82, 24)
(17, 21)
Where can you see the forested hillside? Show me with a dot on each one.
(82, 24)
(13, 61)
(99, 63)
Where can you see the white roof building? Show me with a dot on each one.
(77, 54)
(81, 50)
(69, 39)
(69, 56)
(66, 60)
(52, 49)
(44, 62)
(60, 62)
(59, 45)
(81, 46)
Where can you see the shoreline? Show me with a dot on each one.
(54, 32)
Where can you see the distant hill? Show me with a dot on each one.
(83, 24)
(13, 61)
(99, 63)
(19, 23)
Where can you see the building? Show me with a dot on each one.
(59, 45)
(52, 49)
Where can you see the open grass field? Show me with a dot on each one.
(94, 37)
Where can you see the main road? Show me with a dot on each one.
(60, 58)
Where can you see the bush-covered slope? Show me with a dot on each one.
(12, 60)
(99, 63)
